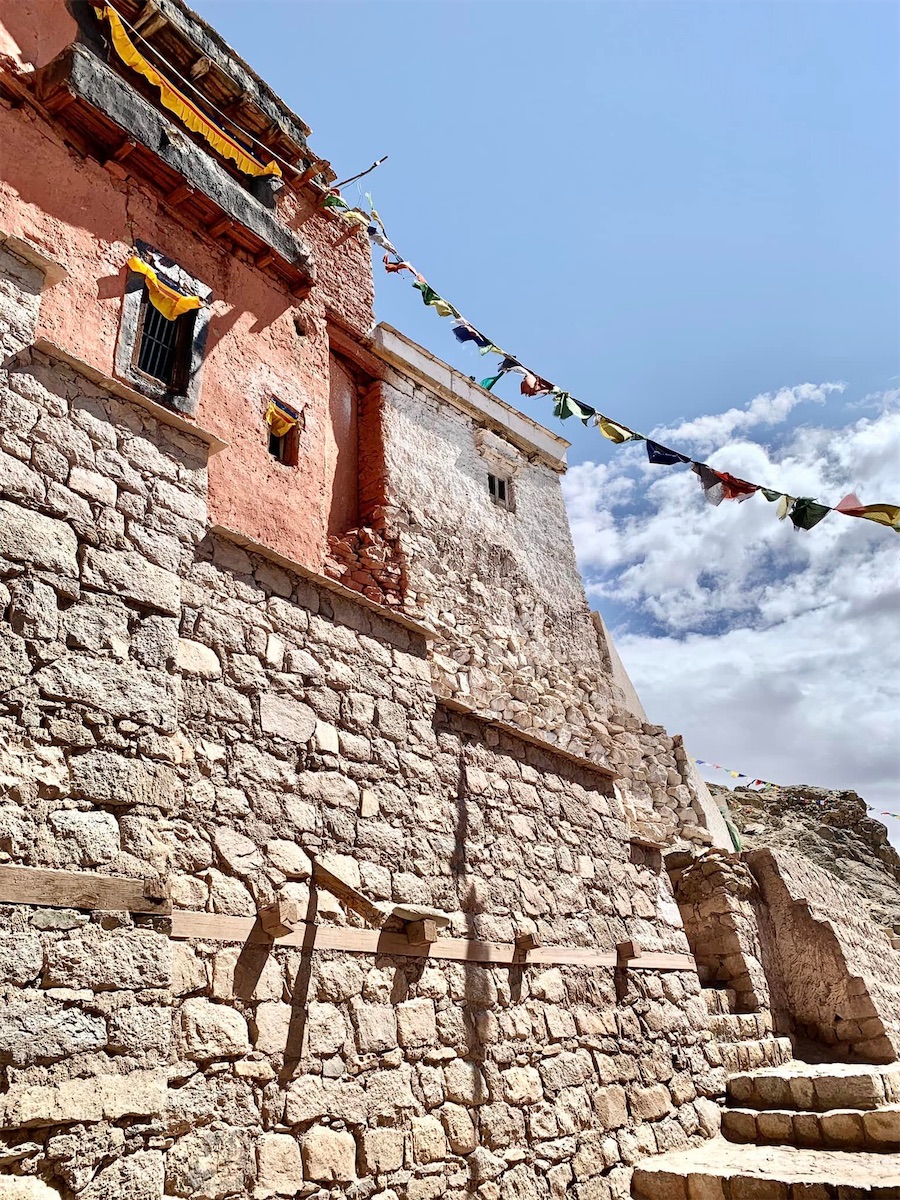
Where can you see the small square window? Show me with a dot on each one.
(500, 490)
(285, 448)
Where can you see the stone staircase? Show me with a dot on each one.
(798, 1131)
(835, 1107)
(744, 1041)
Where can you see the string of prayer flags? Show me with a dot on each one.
(171, 303)
(280, 417)
(884, 514)
(805, 513)
(663, 455)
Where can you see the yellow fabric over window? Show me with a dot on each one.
(175, 101)
(165, 299)
(280, 419)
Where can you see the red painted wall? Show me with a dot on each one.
(87, 217)
(32, 32)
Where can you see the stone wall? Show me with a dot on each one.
(834, 979)
(173, 706)
(517, 638)
(714, 893)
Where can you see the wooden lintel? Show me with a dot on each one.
(215, 927)
(265, 259)
(79, 889)
(348, 895)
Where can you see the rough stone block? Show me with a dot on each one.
(85, 838)
(522, 1085)
(109, 959)
(286, 718)
(30, 537)
(416, 1023)
(650, 1103)
(35, 1029)
(212, 1030)
(98, 1098)
(21, 957)
(208, 1164)
(326, 1030)
(329, 1156)
(193, 658)
(280, 1165)
(376, 1027)
(428, 1140)
(311, 1097)
(459, 1128)
(119, 689)
(130, 575)
(464, 1083)
(382, 1151)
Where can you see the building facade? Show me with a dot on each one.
(330, 828)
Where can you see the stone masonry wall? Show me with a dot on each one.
(834, 979)
(517, 637)
(171, 706)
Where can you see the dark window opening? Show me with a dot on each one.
(285, 449)
(163, 347)
(500, 490)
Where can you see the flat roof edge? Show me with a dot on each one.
(406, 356)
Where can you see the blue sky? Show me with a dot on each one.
(670, 209)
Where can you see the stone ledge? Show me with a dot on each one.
(322, 581)
(165, 416)
(51, 268)
(522, 735)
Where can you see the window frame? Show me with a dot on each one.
(182, 393)
(498, 483)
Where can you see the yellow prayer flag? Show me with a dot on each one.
(165, 299)
(612, 430)
(884, 514)
(179, 104)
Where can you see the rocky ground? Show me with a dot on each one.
(832, 829)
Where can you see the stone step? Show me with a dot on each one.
(814, 1087)
(741, 1027)
(876, 1129)
(720, 1170)
(719, 1000)
(749, 1056)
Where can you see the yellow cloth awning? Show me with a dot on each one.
(165, 299)
(175, 101)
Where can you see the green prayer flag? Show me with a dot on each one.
(566, 406)
(488, 383)
(770, 495)
(806, 513)
(429, 295)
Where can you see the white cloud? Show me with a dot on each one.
(768, 408)
(773, 650)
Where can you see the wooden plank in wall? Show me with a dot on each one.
(213, 927)
(77, 889)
